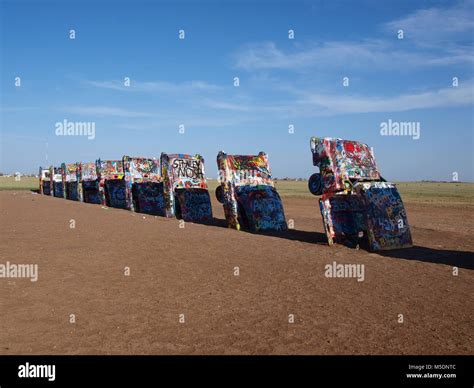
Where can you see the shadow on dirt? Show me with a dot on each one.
(290, 234)
(461, 259)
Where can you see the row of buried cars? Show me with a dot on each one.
(171, 186)
(357, 205)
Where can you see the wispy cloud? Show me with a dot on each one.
(223, 105)
(15, 109)
(303, 103)
(24, 137)
(358, 55)
(190, 122)
(441, 98)
(424, 30)
(437, 23)
(104, 111)
(306, 103)
(156, 86)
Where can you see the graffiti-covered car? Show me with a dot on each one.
(70, 181)
(112, 187)
(144, 185)
(56, 174)
(357, 205)
(248, 193)
(187, 195)
(44, 181)
(88, 188)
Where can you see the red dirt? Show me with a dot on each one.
(190, 271)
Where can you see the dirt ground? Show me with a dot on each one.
(190, 271)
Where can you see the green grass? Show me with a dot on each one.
(293, 189)
(419, 192)
(437, 192)
(25, 183)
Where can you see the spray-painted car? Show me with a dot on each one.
(187, 195)
(70, 181)
(112, 187)
(356, 203)
(248, 193)
(56, 174)
(88, 188)
(144, 185)
(44, 181)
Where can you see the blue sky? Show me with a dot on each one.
(283, 81)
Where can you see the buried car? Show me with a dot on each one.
(144, 185)
(88, 188)
(248, 193)
(56, 174)
(70, 181)
(187, 195)
(357, 205)
(111, 183)
(44, 181)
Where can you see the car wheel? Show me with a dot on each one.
(315, 184)
(220, 194)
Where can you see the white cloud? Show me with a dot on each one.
(309, 104)
(156, 86)
(433, 37)
(14, 109)
(190, 122)
(442, 98)
(435, 24)
(358, 55)
(220, 104)
(105, 111)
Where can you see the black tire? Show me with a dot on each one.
(315, 184)
(220, 194)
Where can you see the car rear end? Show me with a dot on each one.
(144, 185)
(112, 183)
(248, 194)
(186, 187)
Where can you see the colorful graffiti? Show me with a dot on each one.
(149, 198)
(357, 205)
(193, 205)
(248, 194)
(88, 187)
(343, 218)
(386, 218)
(115, 196)
(185, 185)
(144, 185)
(260, 208)
(70, 181)
(112, 186)
(342, 162)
